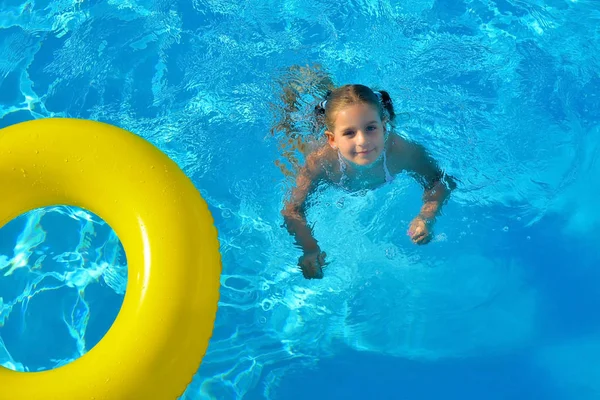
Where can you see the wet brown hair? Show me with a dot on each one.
(347, 95)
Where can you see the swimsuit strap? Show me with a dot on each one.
(342, 167)
(388, 176)
(342, 163)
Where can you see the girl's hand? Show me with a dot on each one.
(419, 231)
(312, 264)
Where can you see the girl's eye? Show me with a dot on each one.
(348, 133)
(371, 128)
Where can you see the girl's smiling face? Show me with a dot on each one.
(358, 134)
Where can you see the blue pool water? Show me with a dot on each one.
(505, 94)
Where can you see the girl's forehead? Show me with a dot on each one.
(356, 113)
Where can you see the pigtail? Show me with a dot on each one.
(320, 113)
(388, 105)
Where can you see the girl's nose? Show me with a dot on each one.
(361, 137)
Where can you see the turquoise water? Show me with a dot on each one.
(504, 94)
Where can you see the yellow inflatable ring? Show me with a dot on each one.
(156, 344)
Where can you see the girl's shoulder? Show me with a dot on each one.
(322, 163)
(401, 152)
(397, 145)
(321, 160)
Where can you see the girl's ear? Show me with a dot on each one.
(331, 139)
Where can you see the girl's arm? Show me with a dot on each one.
(437, 186)
(294, 208)
(414, 159)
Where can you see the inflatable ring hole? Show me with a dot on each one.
(63, 275)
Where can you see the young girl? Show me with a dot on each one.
(361, 153)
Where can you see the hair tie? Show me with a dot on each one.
(323, 103)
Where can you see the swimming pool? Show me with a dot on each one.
(505, 94)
